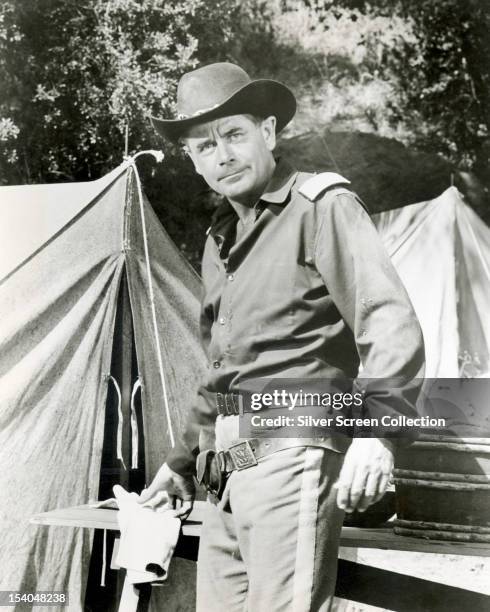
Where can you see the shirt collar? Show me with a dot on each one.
(281, 183)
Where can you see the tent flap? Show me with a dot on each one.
(58, 313)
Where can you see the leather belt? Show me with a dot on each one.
(228, 404)
(245, 454)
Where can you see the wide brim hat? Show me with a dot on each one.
(223, 89)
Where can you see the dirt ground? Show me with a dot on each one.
(471, 573)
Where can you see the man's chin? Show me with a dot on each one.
(235, 191)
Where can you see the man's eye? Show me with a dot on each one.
(206, 146)
(235, 135)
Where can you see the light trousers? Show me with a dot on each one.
(271, 545)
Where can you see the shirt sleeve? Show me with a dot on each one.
(373, 302)
(202, 414)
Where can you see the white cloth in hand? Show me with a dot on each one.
(148, 538)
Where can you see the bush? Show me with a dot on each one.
(75, 74)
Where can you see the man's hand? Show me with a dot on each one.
(167, 484)
(365, 474)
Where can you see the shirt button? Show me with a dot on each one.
(222, 320)
(216, 364)
(231, 277)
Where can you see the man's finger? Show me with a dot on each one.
(155, 488)
(370, 491)
(145, 495)
(172, 501)
(357, 488)
(343, 500)
(342, 496)
(160, 497)
(383, 485)
(344, 483)
(185, 509)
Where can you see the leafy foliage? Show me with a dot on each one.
(76, 73)
(73, 75)
(437, 63)
(445, 78)
(414, 70)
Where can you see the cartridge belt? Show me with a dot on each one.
(226, 403)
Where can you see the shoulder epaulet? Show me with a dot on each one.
(317, 184)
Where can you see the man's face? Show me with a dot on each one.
(234, 155)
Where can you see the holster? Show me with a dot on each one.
(210, 472)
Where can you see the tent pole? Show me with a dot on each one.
(126, 140)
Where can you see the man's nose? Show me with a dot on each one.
(223, 151)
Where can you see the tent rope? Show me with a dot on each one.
(329, 152)
(158, 155)
(120, 420)
(134, 426)
(104, 559)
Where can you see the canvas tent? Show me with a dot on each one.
(441, 250)
(71, 255)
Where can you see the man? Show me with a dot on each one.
(296, 286)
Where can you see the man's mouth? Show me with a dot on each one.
(231, 175)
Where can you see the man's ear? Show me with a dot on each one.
(189, 154)
(268, 128)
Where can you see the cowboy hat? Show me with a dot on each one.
(223, 89)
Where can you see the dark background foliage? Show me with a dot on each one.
(411, 74)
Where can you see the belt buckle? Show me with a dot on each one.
(242, 455)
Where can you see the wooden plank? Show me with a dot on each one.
(353, 537)
(79, 516)
(400, 593)
(104, 518)
(384, 538)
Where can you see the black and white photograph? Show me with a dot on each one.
(245, 305)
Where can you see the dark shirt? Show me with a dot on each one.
(305, 292)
